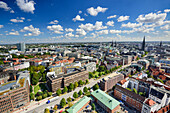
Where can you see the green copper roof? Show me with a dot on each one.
(77, 106)
(104, 98)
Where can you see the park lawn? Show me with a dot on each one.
(36, 89)
(97, 73)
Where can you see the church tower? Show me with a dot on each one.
(143, 44)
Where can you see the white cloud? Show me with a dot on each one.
(14, 33)
(34, 31)
(159, 12)
(1, 26)
(4, 6)
(12, 11)
(22, 18)
(166, 27)
(69, 30)
(80, 32)
(58, 37)
(56, 29)
(54, 22)
(90, 27)
(110, 23)
(115, 31)
(94, 12)
(28, 19)
(123, 18)
(78, 18)
(151, 18)
(167, 10)
(102, 32)
(26, 6)
(131, 25)
(69, 35)
(144, 29)
(80, 12)
(113, 16)
(16, 20)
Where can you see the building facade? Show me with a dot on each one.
(107, 83)
(60, 81)
(15, 95)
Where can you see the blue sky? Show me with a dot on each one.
(83, 20)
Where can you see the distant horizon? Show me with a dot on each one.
(93, 42)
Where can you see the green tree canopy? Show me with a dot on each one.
(69, 99)
(62, 102)
(76, 85)
(75, 95)
(58, 92)
(80, 93)
(65, 89)
(80, 82)
(85, 89)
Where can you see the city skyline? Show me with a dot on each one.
(83, 21)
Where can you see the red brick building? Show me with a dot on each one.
(128, 97)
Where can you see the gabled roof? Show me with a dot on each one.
(104, 98)
(77, 106)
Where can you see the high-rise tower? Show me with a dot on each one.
(161, 44)
(115, 44)
(143, 44)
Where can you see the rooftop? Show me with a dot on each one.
(77, 106)
(106, 99)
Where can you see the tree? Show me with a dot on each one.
(100, 74)
(85, 89)
(80, 93)
(143, 68)
(1, 62)
(107, 71)
(129, 89)
(65, 89)
(46, 110)
(95, 87)
(76, 85)
(39, 98)
(137, 58)
(134, 90)
(69, 99)
(140, 93)
(93, 106)
(58, 92)
(91, 75)
(70, 104)
(44, 95)
(55, 107)
(32, 96)
(31, 89)
(49, 94)
(160, 80)
(62, 102)
(75, 95)
(43, 77)
(80, 82)
(87, 81)
(71, 86)
(101, 68)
